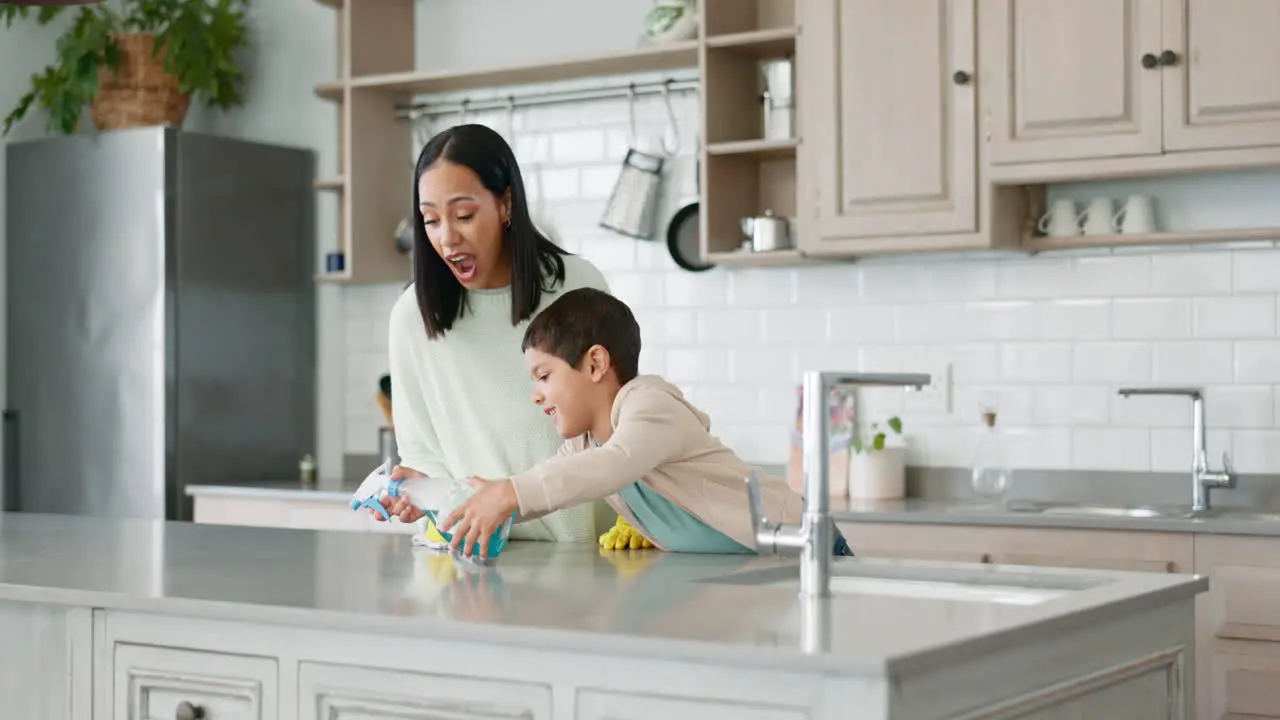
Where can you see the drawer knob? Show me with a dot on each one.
(1149, 61)
(961, 77)
(1168, 58)
(187, 711)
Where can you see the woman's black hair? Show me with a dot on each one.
(534, 257)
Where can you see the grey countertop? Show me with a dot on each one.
(911, 510)
(573, 597)
(971, 512)
(283, 490)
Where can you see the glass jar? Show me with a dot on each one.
(990, 474)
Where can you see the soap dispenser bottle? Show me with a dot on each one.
(990, 474)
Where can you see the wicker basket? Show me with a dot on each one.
(140, 92)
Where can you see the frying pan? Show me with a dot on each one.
(682, 233)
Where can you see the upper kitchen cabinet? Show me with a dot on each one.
(1222, 74)
(889, 125)
(1129, 82)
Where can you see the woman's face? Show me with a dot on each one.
(464, 222)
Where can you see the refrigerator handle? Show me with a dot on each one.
(12, 498)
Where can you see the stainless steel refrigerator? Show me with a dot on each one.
(160, 319)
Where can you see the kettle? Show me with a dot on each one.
(767, 232)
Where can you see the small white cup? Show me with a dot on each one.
(1099, 217)
(1137, 217)
(1061, 219)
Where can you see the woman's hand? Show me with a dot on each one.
(400, 506)
(481, 515)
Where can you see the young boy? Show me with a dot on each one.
(633, 440)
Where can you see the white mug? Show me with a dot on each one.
(1060, 220)
(1099, 216)
(1136, 217)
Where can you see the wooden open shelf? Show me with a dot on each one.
(760, 149)
(1188, 237)
(733, 17)
(744, 173)
(657, 58)
(777, 258)
(331, 183)
(774, 42)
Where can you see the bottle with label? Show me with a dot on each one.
(990, 473)
(307, 471)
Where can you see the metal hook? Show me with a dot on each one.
(671, 120)
(462, 111)
(631, 112)
(511, 117)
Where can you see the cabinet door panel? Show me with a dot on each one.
(1224, 91)
(890, 133)
(1066, 79)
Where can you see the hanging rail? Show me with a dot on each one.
(638, 89)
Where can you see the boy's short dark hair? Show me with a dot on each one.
(583, 317)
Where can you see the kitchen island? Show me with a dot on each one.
(124, 619)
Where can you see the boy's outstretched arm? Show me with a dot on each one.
(651, 429)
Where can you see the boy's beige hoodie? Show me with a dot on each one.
(661, 439)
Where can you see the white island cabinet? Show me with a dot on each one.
(139, 620)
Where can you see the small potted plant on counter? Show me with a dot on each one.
(878, 469)
(135, 62)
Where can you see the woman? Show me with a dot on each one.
(481, 270)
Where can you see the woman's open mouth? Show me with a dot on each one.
(464, 266)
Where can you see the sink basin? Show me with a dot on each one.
(1123, 511)
(980, 585)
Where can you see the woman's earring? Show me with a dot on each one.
(508, 223)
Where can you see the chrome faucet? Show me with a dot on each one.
(814, 538)
(1202, 478)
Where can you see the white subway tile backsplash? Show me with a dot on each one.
(794, 327)
(1046, 340)
(1195, 362)
(1115, 362)
(1191, 274)
(1244, 316)
(763, 364)
(1151, 318)
(1257, 361)
(1112, 276)
(1000, 320)
(1071, 405)
(1039, 278)
(1256, 271)
(696, 290)
(578, 146)
(1238, 406)
(1113, 448)
(1035, 362)
(727, 327)
(697, 365)
(1073, 320)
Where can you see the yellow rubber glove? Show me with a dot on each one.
(624, 537)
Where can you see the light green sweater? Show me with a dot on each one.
(462, 403)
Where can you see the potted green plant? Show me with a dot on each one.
(878, 468)
(135, 62)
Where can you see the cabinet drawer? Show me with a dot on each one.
(608, 705)
(153, 683)
(347, 692)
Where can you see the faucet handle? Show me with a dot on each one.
(1226, 464)
(755, 503)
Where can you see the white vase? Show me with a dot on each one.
(878, 474)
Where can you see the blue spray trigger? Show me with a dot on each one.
(370, 502)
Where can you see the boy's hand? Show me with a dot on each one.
(622, 536)
(481, 515)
